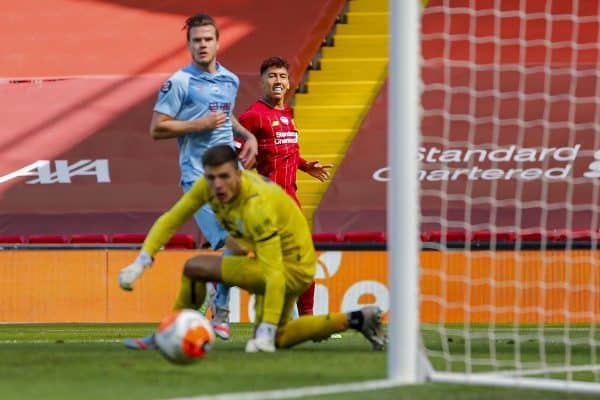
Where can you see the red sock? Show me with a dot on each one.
(306, 301)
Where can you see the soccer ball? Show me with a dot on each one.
(184, 336)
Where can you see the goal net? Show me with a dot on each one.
(509, 167)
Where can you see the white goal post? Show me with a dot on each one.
(493, 199)
(403, 205)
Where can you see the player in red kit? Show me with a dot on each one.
(271, 121)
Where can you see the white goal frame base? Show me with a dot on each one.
(510, 379)
(487, 379)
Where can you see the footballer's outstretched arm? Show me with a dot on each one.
(168, 223)
(163, 126)
(162, 230)
(315, 169)
(250, 149)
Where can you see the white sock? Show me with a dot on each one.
(266, 330)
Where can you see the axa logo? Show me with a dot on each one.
(328, 265)
(594, 167)
(60, 171)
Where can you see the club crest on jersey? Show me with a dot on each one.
(284, 120)
(166, 87)
(275, 123)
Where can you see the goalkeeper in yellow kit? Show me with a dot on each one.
(279, 267)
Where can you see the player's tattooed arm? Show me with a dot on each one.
(250, 149)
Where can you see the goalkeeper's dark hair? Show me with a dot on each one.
(200, 20)
(274, 61)
(219, 155)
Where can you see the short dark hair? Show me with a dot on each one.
(200, 20)
(274, 61)
(219, 155)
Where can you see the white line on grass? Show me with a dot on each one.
(429, 328)
(36, 79)
(300, 392)
(536, 329)
(45, 341)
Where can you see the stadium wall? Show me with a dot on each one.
(505, 286)
(484, 105)
(75, 149)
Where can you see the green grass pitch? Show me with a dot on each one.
(87, 361)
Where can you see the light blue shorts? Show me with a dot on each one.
(208, 224)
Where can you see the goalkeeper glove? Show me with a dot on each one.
(130, 273)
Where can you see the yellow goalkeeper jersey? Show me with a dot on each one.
(262, 211)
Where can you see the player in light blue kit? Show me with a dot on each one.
(196, 106)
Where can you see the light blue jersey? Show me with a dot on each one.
(190, 94)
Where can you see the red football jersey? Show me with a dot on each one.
(278, 155)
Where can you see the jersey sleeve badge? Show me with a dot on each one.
(166, 86)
